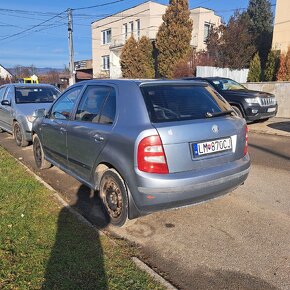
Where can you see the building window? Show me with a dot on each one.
(106, 36)
(125, 31)
(138, 28)
(207, 28)
(106, 62)
(131, 27)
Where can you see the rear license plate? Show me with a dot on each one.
(271, 110)
(213, 146)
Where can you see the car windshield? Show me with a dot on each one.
(176, 102)
(226, 84)
(25, 95)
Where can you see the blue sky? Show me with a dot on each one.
(46, 45)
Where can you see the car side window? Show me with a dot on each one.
(91, 103)
(64, 105)
(109, 109)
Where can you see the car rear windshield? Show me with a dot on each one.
(25, 95)
(166, 103)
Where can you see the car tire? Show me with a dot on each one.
(40, 162)
(114, 195)
(238, 111)
(18, 135)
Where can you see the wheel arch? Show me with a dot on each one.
(239, 106)
(100, 168)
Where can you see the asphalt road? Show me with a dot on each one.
(240, 241)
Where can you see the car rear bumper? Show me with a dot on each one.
(186, 188)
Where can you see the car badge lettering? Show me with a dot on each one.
(215, 129)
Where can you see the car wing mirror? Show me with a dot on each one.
(5, 103)
(61, 115)
(40, 113)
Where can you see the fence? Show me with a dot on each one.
(211, 71)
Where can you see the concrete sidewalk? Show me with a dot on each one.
(274, 126)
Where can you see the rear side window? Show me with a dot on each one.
(109, 109)
(166, 103)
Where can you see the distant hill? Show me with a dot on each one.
(40, 70)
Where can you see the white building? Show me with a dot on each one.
(110, 34)
(4, 73)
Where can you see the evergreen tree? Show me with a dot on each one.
(272, 66)
(261, 26)
(173, 37)
(255, 69)
(287, 64)
(129, 59)
(282, 72)
(146, 61)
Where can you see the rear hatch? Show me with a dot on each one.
(196, 125)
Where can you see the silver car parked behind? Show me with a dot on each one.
(17, 103)
(144, 145)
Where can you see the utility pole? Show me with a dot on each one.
(71, 48)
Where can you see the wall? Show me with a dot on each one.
(210, 71)
(200, 16)
(282, 92)
(281, 34)
(150, 16)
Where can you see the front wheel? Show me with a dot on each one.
(40, 162)
(115, 197)
(18, 135)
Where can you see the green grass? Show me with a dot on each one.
(43, 246)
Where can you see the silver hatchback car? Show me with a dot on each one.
(144, 145)
(17, 103)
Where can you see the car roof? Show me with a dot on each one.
(141, 82)
(29, 85)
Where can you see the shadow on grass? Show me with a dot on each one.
(282, 126)
(76, 260)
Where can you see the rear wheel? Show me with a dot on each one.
(115, 197)
(18, 135)
(238, 111)
(40, 162)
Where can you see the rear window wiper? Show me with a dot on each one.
(216, 114)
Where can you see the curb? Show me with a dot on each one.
(140, 264)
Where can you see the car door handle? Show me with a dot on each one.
(62, 129)
(98, 138)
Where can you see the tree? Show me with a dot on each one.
(287, 64)
(231, 45)
(272, 66)
(261, 26)
(173, 37)
(129, 59)
(282, 72)
(255, 69)
(145, 59)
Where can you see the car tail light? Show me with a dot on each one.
(246, 143)
(151, 157)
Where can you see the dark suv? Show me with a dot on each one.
(251, 105)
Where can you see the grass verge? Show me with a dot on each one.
(44, 246)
